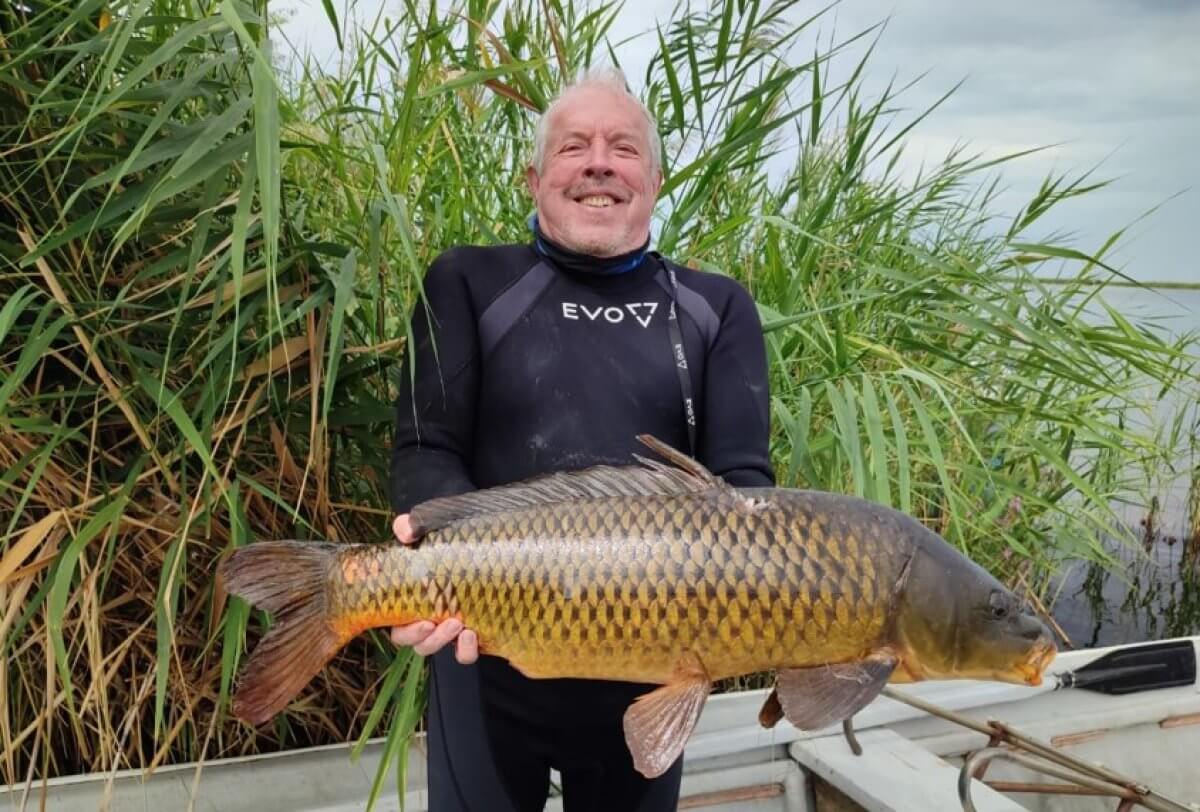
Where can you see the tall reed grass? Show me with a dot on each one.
(207, 260)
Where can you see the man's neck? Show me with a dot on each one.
(585, 263)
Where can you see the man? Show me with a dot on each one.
(553, 356)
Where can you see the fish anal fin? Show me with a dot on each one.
(658, 724)
(771, 711)
(816, 697)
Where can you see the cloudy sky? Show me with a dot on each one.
(1114, 84)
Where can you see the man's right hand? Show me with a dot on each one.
(424, 636)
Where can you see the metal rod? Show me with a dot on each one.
(1146, 797)
(985, 756)
(1049, 789)
(1044, 749)
(851, 739)
(921, 704)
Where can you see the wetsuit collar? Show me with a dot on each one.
(570, 260)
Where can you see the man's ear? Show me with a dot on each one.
(531, 181)
(658, 182)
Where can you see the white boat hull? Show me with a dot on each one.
(910, 762)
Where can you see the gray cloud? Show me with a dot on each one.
(1110, 83)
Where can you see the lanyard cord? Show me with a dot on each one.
(679, 357)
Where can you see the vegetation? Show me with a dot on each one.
(207, 263)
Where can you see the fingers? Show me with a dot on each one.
(466, 650)
(426, 638)
(402, 527)
(411, 634)
(446, 631)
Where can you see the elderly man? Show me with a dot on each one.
(552, 355)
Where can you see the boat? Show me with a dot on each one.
(1122, 723)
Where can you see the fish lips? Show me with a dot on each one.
(1035, 664)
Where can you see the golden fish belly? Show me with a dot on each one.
(620, 588)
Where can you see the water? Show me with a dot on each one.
(1156, 592)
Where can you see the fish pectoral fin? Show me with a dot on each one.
(658, 724)
(771, 711)
(816, 697)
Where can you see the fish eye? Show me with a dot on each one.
(998, 606)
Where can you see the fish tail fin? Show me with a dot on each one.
(288, 579)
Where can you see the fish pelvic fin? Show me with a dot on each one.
(818, 696)
(288, 579)
(658, 724)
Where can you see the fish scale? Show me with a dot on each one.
(621, 587)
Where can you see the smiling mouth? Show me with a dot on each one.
(597, 201)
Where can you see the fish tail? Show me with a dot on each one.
(288, 579)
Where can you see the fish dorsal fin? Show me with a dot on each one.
(650, 478)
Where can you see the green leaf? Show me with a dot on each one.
(170, 581)
(903, 463)
(404, 661)
(106, 518)
(333, 20)
(343, 284)
(170, 403)
(932, 443)
(42, 336)
(672, 81)
(478, 77)
(237, 611)
(881, 490)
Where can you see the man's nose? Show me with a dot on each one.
(599, 163)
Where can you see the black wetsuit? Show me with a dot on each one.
(545, 362)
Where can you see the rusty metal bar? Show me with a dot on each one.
(1086, 773)
(1049, 789)
(1043, 749)
(983, 757)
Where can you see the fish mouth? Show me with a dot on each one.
(1036, 663)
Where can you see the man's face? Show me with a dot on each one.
(597, 189)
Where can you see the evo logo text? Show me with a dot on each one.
(642, 312)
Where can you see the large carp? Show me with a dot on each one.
(658, 573)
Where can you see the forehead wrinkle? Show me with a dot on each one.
(611, 133)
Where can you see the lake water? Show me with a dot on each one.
(1156, 593)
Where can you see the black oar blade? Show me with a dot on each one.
(1137, 668)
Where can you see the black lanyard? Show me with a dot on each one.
(679, 357)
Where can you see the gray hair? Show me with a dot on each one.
(610, 79)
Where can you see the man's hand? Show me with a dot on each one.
(425, 637)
